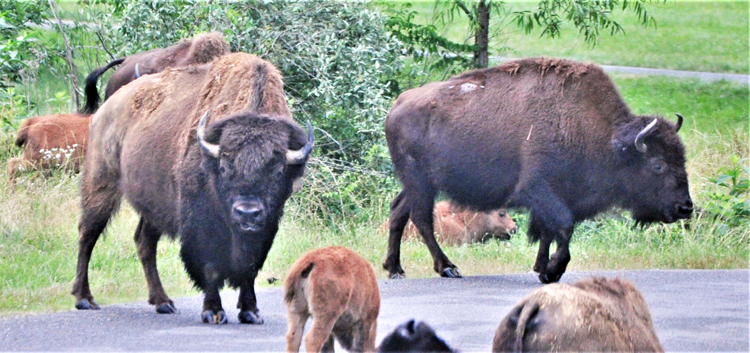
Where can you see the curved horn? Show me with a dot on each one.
(679, 122)
(137, 73)
(212, 149)
(639, 144)
(300, 156)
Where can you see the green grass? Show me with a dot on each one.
(38, 222)
(707, 36)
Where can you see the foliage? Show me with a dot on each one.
(589, 17)
(733, 204)
(17, 40)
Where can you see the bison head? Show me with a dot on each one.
(254, 161)
(651, 169)
(413, 337)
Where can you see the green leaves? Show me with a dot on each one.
(590, 17)
(733, 204)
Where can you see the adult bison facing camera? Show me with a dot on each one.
(217, 180)
(549, 135)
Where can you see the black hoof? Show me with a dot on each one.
(85, 304)
(249, 317)
(547, 278)
(166, 308)
(210, 317)
(396, 276)
(451, 272)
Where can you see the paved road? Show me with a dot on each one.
(704, 310)
(703, 76)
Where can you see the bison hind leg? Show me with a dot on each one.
(146, 238)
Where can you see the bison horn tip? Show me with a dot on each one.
(639, 144)
(210, 148)
(679, 122)
(300, 156)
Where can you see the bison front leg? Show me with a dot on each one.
(550, 220)
(146, 238)
(248, 304)
(213, 312)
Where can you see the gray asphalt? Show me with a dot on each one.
(693, 310)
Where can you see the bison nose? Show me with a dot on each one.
(249, 215)
(685, 209)
(512, 231)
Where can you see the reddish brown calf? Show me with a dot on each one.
(338, 289)
(457, 226)
(50, 141)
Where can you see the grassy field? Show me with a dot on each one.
(39, 215)
(689, 35)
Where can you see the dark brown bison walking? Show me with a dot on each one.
(549, 135)
(217, 180)
(199, 50)
(49, 141)
(592, 315)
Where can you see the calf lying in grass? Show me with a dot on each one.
(592, 315)
(457, 226)
(51, 141)
(339, 290)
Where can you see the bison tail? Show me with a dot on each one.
(90, 91)
(524, 318)
(292, 282)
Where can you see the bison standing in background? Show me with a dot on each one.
(548, 135)
(209, 153)
(49, 141)
(199, 50)
(592, 315)
(338, 288)
(457, 226)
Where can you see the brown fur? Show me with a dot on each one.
(339, 290)
(201, 49)
(551, 136)
(143, 147)
(593, 315)
(456, 226)
(59, 134)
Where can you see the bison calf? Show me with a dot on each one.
(458, 226)
(413, 337)
(49, 141)
(338, 289)
(592, 315)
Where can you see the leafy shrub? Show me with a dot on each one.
(16, 38)
(732, 205)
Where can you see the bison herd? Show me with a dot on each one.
(201, 142)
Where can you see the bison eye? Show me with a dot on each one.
(501, 214)
(658, 167)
